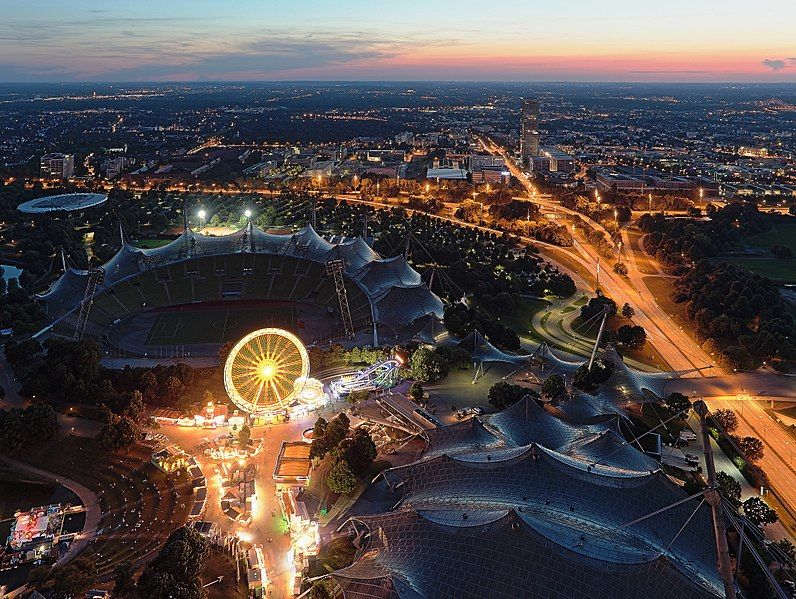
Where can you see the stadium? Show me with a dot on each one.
(192, 295)
(66, 202)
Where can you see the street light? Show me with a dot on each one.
(248, 213)
(616, 216)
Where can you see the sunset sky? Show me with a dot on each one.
(503, 40)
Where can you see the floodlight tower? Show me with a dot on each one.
(335, 268)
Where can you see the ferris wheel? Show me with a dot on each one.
(263, 369)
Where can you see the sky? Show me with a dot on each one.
(351, 40)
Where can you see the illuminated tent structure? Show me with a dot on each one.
(522, 504)
(392, 293)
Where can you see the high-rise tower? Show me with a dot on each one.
(529, 131)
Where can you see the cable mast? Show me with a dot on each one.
(335, 269)
(95, 278)
(713, 498)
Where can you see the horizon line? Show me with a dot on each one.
(338, 81)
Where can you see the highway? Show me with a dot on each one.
(719, 388)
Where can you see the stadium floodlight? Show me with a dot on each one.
(202, 215)
(248, 213)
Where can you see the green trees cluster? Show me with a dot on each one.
(675, 241)
(337, 355)
(596, 306)
(70, 580)
(739, 316)
(588, 380)
(428, 366)
(678, 405)
(502, 394)
(32, 425)
(632, 336)
(758, 512)
(18, 311)
(351, 452)
(461, 320)
(553, 386)
(177, 569)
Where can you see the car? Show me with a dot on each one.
(687, 435)
(477, 410)
(691, 459)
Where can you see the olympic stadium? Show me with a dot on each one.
(198, 292)
(526, 504)
(66, 202)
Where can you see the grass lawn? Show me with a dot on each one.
(661, 287)
(520, 320)
(643, 261)
(776, 269)
(216, 325)
(780, 234)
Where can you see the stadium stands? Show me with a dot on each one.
(249, 264)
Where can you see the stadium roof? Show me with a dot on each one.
(482, 516)
(395, 290)
(66, 202)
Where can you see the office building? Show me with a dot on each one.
(57, 166)
(529, 131)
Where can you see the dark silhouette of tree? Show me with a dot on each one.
(758, 512)
(727, 419)
(553, 386)
(751, 448)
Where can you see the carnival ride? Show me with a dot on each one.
(381, 375)
(263, 368)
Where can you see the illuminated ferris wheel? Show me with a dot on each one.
(263, 368)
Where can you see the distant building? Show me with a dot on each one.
(560, 162)
(618, 182)
(529, 131)
(57, 166)
(447, 173)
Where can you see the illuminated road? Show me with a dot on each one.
(683, 353)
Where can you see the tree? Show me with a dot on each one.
(428, 366)
(74, 578)
(553, 386)
(729, 487)
(326, 436)
(628, 311)
(751, 448)
(502, 394)
(758, 512)
(620, 268)
(12, 429)
(677, 404)
(596, 306)
(244, 434)
(359, 451)
(41, 422)
(340, 478)
(631, 336)
(177, 569)
(123, 582)
(726, 419)
(120, 432)
(416, 391)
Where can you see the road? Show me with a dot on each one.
(683, 353)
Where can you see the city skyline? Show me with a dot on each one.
(514, 41)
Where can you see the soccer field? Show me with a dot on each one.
(217, 325)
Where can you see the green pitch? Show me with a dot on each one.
(217, 325)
